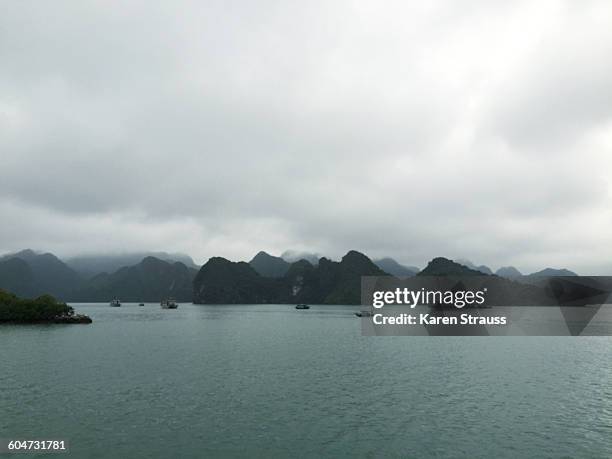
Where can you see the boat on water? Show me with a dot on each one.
(364, 313)
(302, 306)
(115, 303)
(169, 304)
(141, 304)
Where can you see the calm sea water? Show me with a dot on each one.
(270, 381)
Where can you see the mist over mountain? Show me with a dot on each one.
(265, 278)
(524, 290)
(17, 277)
(30, 274)
(394, 268)
(91, 265)
(509, 272)
(295, 255)
(36, 274)
(150, 280)
(482, 268)
(550, 272)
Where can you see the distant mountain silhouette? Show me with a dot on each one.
(268, 265)
(394, 268)
(150, 280)
(482, 268)
(340, 282)
(222, 281)
(444, 267)
(91, 265)
(37, 274)
(16, 276)
(524, 290)
(266, 279)
(553, 272)
(292, 256)
(29, 274)
(509, 272)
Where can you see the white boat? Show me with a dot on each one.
(169, 304)
(115, 303)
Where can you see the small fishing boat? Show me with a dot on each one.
(364, 313)
(169, 304)
(302, 306)
(115, 303)
(141, 304)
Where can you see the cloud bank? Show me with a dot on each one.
(480, 130)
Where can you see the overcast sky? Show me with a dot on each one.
(472, 129)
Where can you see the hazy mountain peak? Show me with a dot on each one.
(508, 272)
(262, 254)
(268, 265)
(554, 272)
(389, 265)
(482, 268)
(441, 266)
(292, 256)
(92, 265)
(354, 255)
(45, 273)
(23, 254)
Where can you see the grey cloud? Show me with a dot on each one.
(223, 128)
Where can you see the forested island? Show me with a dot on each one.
(44, 309)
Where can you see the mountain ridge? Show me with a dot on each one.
(30, 274)
(330, 282)
(150, 280)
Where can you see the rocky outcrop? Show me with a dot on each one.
(73, 319)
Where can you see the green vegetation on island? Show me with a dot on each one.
(44, 309)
